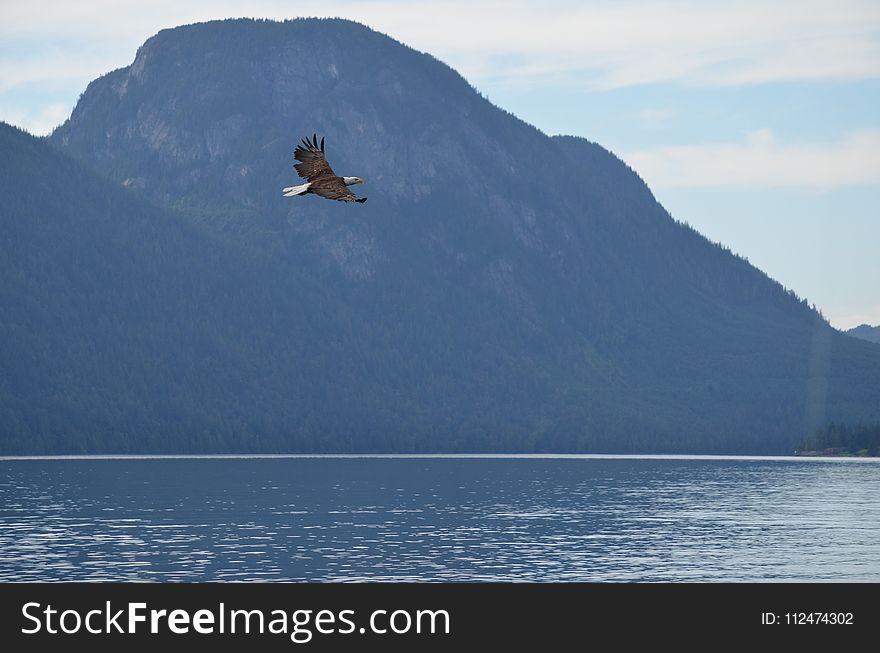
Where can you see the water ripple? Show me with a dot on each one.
(447, 519)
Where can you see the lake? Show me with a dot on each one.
(500, 518)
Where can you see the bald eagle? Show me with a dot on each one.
(321, 180)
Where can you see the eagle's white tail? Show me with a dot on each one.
(290, 191)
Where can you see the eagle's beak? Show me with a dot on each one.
(359, 181)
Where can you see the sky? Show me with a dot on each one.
(758, 123)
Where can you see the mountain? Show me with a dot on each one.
(502, 290)
(865, 332)
(124, 328)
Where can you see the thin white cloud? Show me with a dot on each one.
(493, 43)
(760, 161)
(601, 44)
(49, 118)
(39, 122)
(654, 117)
(50, 69)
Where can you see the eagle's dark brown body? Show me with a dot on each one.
(322, 181)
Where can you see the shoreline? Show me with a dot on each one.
(797, 457)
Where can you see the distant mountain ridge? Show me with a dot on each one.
(501, 291)
(865, 332)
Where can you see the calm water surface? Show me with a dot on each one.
(440, 519)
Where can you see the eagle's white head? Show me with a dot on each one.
(351, 181)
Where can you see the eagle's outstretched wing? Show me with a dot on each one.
(312, 164)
